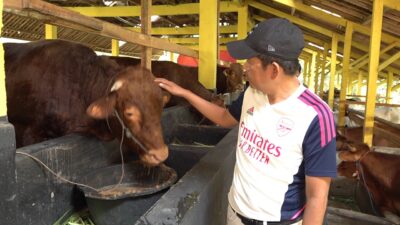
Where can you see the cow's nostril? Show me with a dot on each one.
(155, 156)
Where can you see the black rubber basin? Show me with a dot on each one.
(124, 211)
(127, 180)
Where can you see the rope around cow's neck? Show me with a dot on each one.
(80, 184)
(370, 197)
(129, 134)
(124, 130)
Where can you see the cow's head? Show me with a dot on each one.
(234, 77)
(351, 151)
(138, 101)
(347, 169)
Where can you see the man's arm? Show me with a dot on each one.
(317, 189)
(217, 114)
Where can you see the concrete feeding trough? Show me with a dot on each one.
(41, 198)
(355, 206)
(202, 156)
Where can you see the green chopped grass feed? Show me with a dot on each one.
(77, 218)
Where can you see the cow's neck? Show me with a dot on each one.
(372, 172)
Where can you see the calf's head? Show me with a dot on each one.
(234, 77)
(347, 169)
(137, 100)
(351, 152)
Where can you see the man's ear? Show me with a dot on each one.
(102, 107)
(166, 96)
(275, 69)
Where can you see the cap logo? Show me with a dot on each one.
(270, 48)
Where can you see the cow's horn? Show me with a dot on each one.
(117, 85)
(352, 148)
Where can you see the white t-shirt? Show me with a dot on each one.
(277, 146)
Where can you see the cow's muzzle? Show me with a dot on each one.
(154, 157)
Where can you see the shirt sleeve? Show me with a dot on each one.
(319, 161)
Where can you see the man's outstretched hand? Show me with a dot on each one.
(171, 87)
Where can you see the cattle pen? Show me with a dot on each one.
(351, 59)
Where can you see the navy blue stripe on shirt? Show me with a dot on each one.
(325, 116)
(331, 121)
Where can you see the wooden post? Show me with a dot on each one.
(3, 98)
(114, 47)
(333, 70)
(9, 196)
(208, 42)
(146, 29)
(50, 31)
(359, 82)
(345, 73)
(389, 87)
(243, 25)
(316, 74)
(323, 65)
(242, 22)
(305, 72)
(374, 46)
(309, 73)
(313, 71)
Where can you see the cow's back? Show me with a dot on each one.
(49, 85)
(186, 77)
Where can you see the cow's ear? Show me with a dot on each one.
(351, 147)
(117, 85)
(102, 107)
(227, 72)
(166, 96)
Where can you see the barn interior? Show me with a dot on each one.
(351, 45)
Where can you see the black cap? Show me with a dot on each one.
(274, 37)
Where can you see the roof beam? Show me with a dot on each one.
(196, 40)
(366, 30)
(368, 19)
(185, 30)
(160, 10)
(55, 15)
(294, 19)
(394, 4)
(311, 26)
(363, 60)
(389, 61)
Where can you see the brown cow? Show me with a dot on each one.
(228, 79)
(379, 172)
(233, 79)
(56, 87)
(182, 75)
(355, 134)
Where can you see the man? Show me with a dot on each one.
(285, 154)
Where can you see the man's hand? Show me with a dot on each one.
(171, 87)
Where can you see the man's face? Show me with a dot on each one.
(255, 73)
